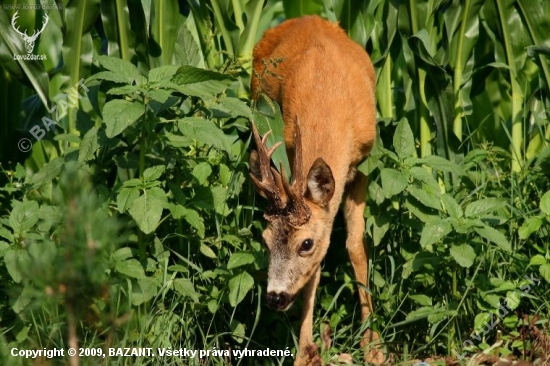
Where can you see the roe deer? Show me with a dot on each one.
(325, 85)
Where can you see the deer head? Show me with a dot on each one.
(29, 40)
(298, 230)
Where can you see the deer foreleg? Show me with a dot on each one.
(354, 206)
(307, 353)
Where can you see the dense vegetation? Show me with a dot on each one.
(132, 223)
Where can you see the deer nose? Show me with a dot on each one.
(278, 301)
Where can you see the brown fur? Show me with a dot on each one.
(325, 84)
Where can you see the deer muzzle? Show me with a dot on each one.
(279, 300)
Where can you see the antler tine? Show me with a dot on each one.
(270, 180)
(15, 27)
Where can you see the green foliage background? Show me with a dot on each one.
(131, 222)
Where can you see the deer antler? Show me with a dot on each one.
(36, 34)
(270, 185)
(286, 200)
(16, 28)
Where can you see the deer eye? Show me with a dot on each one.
(306, 246)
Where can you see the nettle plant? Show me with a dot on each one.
(446, 223)
(165, 156)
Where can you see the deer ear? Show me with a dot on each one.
(320, 183)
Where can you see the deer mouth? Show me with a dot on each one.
(280, 301)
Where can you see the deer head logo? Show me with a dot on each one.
(29, 40)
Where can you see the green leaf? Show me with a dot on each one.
(231, 108)
(537, 260)
(441, 164)
(131, 268)
(147, 209)
(206, 132)
(201, 172)
(48, 172)
(494, 236)
(434, 231)
(393, 182)
(185, 287)
(126, 197)
(23, 216)
(239, 259)
(15, 259)
(403, 140)
(124, 69)
(207, 251)
(89, 145)
(153, 173)
(544, 271)
(191, 216)
(483, 206)
(187, 74)
(427, 196)
(531, 225)
(422, 299)
(239, 286)
(452, 207)
(163, 73)
(118, 114)
(545, 203)
(4, 247)
(463, 254)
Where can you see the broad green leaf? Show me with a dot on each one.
(393, 182)
(23, 216)
(207, 251)
(545, 203)
(48, 172)
(125, 69)
(162, 73)
(439, 163)
(191, 216)
(185, 287)
(147, 209)
(131, 268)
(428, 197)
(186, 49)
(452, 207)
(531, 225)
(434, 231)
(239, 286)
(240, 259)
(420, 313)
(15, 260)
(147, 290)
(544, 271)
(206, 132)
(4, 247)
(537, 260)
(118, 114)
(201, 172)
(483, 206)
(424, 176)
(403, 140)
(89, 145)
(153, 173)
(422, 299)
(298, 8)
(463, 254)
(126, 197)
(230, 108)
(494, 236)
(187, 74)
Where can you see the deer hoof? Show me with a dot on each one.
(309, 356)
(371, 344)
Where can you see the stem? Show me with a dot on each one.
(73, 339)
(142, 146)
(517, 95)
